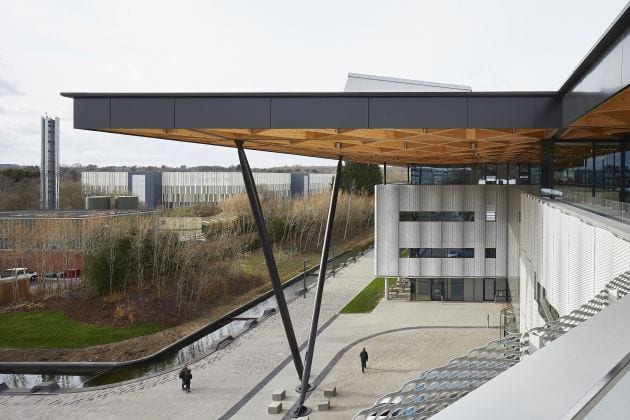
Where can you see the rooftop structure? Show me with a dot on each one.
(368, 83)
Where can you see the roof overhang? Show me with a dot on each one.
(396, 128)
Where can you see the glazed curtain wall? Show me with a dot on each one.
(474, 174)
(601, 168)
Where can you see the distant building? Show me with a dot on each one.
(147, 186)
(305, 184)
(49, 168)
(180, 189)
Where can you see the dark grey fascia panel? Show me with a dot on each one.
(314, 112)
(547, 111)
(143, 113)
(501, 112)
(308, 110)
(222, 112)
(91, 113)
(424, 112)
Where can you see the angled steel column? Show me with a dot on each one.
(265, 243)
(300, 410)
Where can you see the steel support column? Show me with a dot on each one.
(300, 410)
(384, 173)
(265, 243)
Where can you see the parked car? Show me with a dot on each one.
(54, 275)
(19, 273)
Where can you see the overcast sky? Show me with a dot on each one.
(47, 47)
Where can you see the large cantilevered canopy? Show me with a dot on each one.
(394, 128)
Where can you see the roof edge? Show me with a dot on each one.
(612, 33)
(301, 94)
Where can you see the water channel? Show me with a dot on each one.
(29, 376)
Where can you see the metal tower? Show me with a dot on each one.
(49, 168)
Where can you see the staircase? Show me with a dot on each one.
(399, 289)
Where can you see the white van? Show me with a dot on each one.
(18, 273)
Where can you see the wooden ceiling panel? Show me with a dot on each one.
(609, 120)
(393, 146)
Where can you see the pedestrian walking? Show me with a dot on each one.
(364, 360)
(185, 375)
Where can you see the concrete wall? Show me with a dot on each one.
(570, 252)
(391, 234)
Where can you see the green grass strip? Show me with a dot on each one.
(367, 300)
(53, 329)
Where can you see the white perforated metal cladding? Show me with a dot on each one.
(391, 234)
(571, 257)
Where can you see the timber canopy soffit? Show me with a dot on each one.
(396, 128)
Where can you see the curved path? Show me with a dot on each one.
(237, 381)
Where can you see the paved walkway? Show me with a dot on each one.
(403, 338)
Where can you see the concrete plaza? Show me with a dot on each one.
(402, 338)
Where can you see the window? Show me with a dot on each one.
(424, 252)
(491, 252)
(437, 253)
(436, 216)
(491, 213)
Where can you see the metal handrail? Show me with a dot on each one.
(594, 395)
(612, 209)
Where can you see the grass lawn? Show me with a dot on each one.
(288, 265)
(367, 299)
(53, 329)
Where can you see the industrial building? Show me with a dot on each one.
(179, 189)
(519, 196)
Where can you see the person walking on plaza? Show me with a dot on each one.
(185, 375)
(364, 360)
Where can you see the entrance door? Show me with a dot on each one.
(455, 289)
(423, 289)
(488, 289)
(437, 289)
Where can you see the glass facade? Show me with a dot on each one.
(599, 168)
(437, 216)
(480, 173)
(459, 289)
(437, 253)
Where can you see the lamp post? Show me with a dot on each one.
(305, 261)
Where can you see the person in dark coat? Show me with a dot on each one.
(364, 360)
(185, 375)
